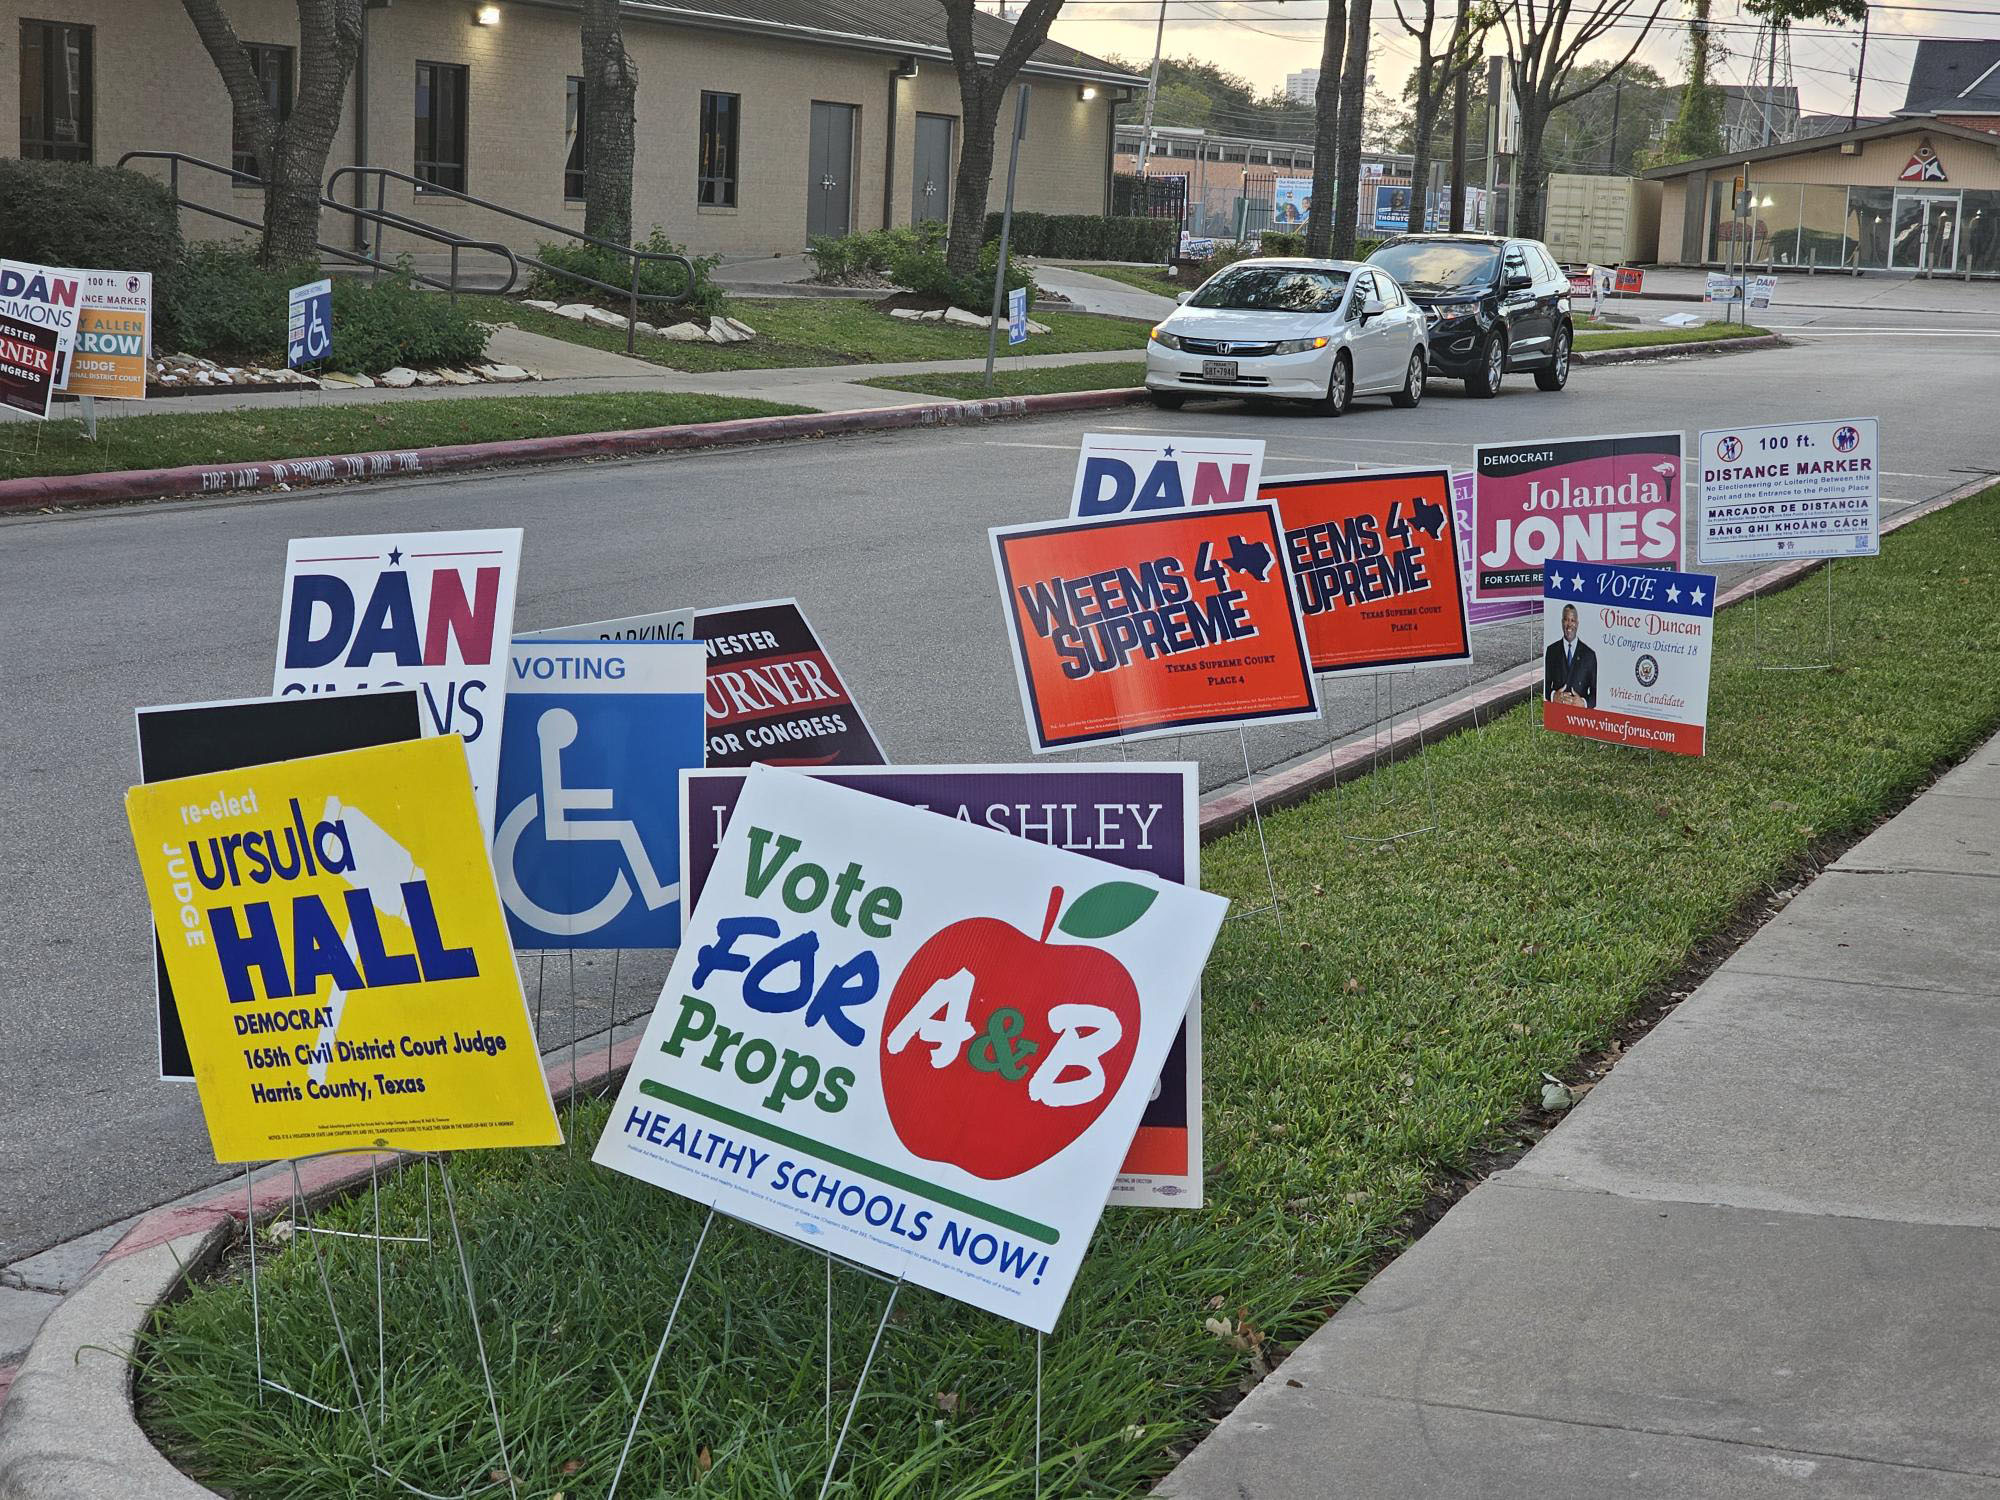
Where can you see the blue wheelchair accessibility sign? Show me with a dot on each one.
(594, 738)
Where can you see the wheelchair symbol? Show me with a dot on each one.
(556, 731)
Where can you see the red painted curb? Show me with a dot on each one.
(193, 479)
(1667, 351)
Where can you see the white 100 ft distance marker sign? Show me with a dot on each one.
(913, 1042)
(1791, 489)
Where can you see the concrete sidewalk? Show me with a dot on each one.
(1758, 1260)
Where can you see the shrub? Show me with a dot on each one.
(1282, 242)
(72, 214)
(226, 306)
(656, 278)
(379, 325)
(873, 252)
(1088, 236)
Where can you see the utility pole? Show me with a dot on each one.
(1152, 91)
(1458, 93)
(1860, 72)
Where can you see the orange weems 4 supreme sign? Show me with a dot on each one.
(1375, 560)
(1152, 624)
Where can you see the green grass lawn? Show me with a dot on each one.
(805, 331)
(1145, 278)
(1104, 376)
(1394, 1034)
(1615, 337)
(168, 439)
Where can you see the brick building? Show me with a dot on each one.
(759, 121)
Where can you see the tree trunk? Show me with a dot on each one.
(295, 149)
(1420, 164)
(1528, 200)
(610, 95)
(974, 179)
(1326, 131)
(1460, 86)
(1353, 101)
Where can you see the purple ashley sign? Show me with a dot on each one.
(1137, 816)
(1478, 613)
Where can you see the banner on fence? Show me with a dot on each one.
(1626, 654)
(1374, 556)
(1138, 816)
(1116, 473)
(1611, 499)
(1291, 202)
(114, 336)
(28, 362)
(596, 734)
(430, 610)
(1153, 624)
(915, 1043)
(1791, 489)
(340, 959)
(194, 739)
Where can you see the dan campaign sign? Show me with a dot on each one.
(1375, 556)
(114, 336)
(192, 739)
(1116, 473)
(1594, 499)
(1626, 654)
(1135, 815)
(44, 297)
(28, 355)
(596, 734)
(1792, 489)
(774, 695)
(339, 955)
(1153, 624)
(909, 1041)
(430, 610)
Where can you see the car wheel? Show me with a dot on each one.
(1339, 388)
(1555, 375)
(1167, 400)
(1492, 366)
(1413, 383)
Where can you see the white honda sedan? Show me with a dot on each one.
(1323, 331)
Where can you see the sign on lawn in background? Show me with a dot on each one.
(338, 952)
(1721, 286)
(28, 356)
(596, 734)
(1792, 489)
(1763, 291)
(193, 739)
(1374, 556)
(1630, 281)
(1153, 624)
(1138, 816)
(918, 1044)
(114, 336)
(774, 695)
(1626, 655)
(1017, 315)
(430, 610)
(1593, 499)
(309, 326)
(1478, 612)
(43, 297)
(661, 625)
(1116, 473)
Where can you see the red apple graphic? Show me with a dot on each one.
(999, 1049)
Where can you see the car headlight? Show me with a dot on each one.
(1301, 346)
(1166, 340)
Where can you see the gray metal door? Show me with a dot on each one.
(930, 181)
(830, 170)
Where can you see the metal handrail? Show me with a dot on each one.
(633, 296)
(456, 242)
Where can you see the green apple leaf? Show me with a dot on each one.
(1105, 909)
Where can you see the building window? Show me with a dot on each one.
(273, 67)
(440, 154)
(718, 149)
(573, 162)
(55, 91)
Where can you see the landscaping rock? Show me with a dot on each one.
(644, 327)
(604, 318)
(361, 381)
(686, 333)
(1034, 327)
(964, 319)
(723, 330)
(429, 377)
(398, 379)
(904, 312)
(742, 328)
(499, 374)
(457, 377)
(536, 302)
(576, 311)
(935, 315)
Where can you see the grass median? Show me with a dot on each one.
(802, 332)
(1391, 1037)
(170, 439)
(1589, 338)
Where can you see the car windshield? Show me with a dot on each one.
(1273, 289)
(1427, 268)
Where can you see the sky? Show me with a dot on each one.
(1263, 40)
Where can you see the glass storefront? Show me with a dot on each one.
(1935, 231)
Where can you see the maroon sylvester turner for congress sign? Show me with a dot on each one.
(773, 694)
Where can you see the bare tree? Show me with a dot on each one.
(1545, 41)
(982, 88)
(293, 151)
(1326, 131)
(1353, 114)
(1440, 75)
(610, 94)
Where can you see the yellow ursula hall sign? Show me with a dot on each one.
(339, 954)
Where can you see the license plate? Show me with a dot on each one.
(1218, 369)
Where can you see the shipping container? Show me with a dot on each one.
(1609, 221)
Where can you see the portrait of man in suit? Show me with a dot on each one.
(1569, 668)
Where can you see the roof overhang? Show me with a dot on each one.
(1901, 126)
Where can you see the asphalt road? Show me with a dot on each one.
(883, 540)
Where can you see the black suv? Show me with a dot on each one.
(1494, 304)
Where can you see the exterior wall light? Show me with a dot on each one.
(1086, 92)
(486, 15)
